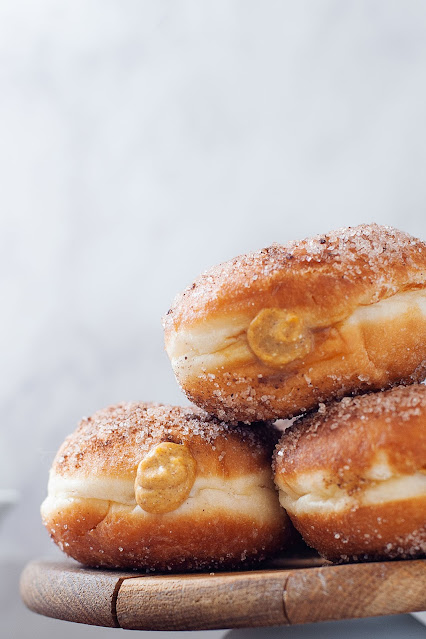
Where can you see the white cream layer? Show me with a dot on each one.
(313, 493)
(220, 341)
(253, 495)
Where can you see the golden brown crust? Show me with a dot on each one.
(351, 358)
(324, 281)
(325, 277)
(345, 437)
(227, 515)
(97, 535)
(113, 441)
(395, 530)
(244, 397)
(350, 444)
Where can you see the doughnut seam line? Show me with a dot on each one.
(99, 522)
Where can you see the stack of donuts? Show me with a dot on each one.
(331, 331)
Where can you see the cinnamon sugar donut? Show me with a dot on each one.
(353, 476)
(165, 488)
(274, 333)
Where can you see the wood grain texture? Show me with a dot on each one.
(203, 602)
(275, 596)
(65, 590)
(355, 590)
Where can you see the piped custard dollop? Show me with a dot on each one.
(278, 336)
(164, 478)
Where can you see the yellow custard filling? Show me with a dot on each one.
(164, 478)
(277, 336)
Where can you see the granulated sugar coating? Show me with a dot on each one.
(272, 334)
(165, 489)
(377, 254)
(352, 478)
(113, 440)
(347, 436)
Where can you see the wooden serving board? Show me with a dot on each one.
(292, 591)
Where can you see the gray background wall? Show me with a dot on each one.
(142, 142)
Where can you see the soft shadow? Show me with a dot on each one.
(393, 627)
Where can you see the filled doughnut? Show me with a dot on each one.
(352, 477)
(274, 333)
(154, 487)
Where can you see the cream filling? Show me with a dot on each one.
(253, 495)
(164, 477)
(313, 493)
(220, 341)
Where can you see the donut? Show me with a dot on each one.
(162, 488)
(273, 334)
(352, 476)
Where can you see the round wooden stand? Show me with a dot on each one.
(293, 591)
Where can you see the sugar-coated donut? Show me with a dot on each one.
(272, 334)
(352, 477)
(155, 487)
